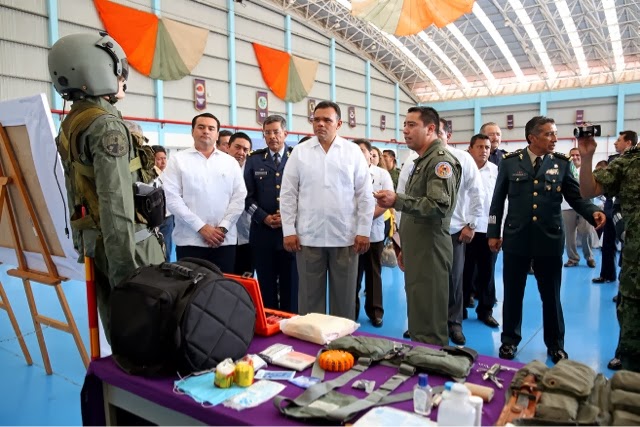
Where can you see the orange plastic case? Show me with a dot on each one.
(336, 361)
(267, 320)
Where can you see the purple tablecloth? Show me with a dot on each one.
(160, 391)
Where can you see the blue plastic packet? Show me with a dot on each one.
(304, 382)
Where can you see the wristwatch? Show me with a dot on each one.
(224, 230)
(472, 225)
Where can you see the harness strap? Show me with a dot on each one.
(318, 390)
(347, 412)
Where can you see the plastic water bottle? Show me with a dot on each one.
(422, 396)
(456, 410)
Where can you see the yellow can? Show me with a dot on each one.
(244, 374)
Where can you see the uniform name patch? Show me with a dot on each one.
(260, 173)
(115, 143)
(444, 170)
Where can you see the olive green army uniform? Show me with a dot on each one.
(534, 230)
(622, 179)
(101, 179)
(427, 206)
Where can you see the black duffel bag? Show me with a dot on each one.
(183, 316)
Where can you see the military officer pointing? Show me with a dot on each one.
(426, 206)
(101, 161)
(276, 267)
(535, 179)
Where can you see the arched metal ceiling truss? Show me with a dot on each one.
(503, 47)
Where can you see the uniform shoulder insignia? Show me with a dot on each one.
(561, 156)
(115, 143)
(290, 148)
(258, 151)
(512, 154)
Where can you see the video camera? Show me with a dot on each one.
(586, 131)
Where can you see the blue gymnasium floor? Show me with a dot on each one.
(30, 397)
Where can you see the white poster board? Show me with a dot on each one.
(29, 125)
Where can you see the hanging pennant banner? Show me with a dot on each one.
(383, 122)
(200, 94)
(262, 106)
(352, 116)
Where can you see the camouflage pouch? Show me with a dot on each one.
(624, 418)
(439, 362)
(570, 377)
(146, 155)
(557, 407)
(374, 348)
(626, 401)
(626, 380)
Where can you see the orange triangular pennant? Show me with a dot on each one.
(133, 29)
(274, 66)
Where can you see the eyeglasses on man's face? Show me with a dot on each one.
(271, 132)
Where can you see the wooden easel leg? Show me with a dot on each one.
(36, 324)
(73, 329)
(4, 303)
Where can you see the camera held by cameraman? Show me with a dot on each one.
(586, 131)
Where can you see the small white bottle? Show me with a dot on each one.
(456, 410)
(422, 396)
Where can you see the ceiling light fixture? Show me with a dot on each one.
(611, 15)
(495, 35)
(574, 38)
(524, 18)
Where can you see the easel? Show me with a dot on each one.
(49, 277)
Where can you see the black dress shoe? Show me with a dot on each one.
(507, 351)
(376, 322)
(557, 355)
(471, 303)
(614, 364)
(489, 321)
(457, 337)
(601, 280)
(406, 334)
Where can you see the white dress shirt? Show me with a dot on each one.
(244, 222)
(405, 172)
(326, 197)
(201, 191)
(470, 194)
(380, 180)
(488, 176)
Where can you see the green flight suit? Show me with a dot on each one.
(427, 206)
(108, 234)
(622, 178)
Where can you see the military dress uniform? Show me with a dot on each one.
(109, 233)
(276, 268)
(622, 179)
(427, 205)
(534, 230)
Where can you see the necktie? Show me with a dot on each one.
(536, 164)
(276, 160)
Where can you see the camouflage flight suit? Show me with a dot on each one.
(622, 178)
(109, 233)
(427, 206)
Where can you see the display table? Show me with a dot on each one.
(107, 387)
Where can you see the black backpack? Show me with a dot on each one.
(183, 316)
